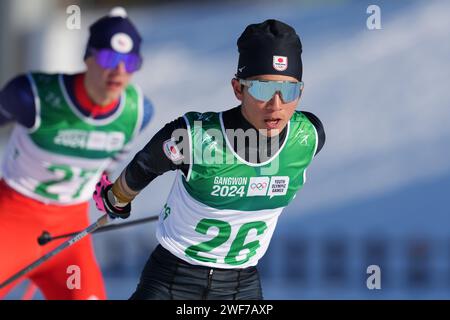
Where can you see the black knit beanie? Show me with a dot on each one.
(270, 47)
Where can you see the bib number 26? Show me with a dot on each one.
(222, 236)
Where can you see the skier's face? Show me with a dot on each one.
(272, 115)
(108, 82)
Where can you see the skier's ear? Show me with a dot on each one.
(237, 88)
(89, 61)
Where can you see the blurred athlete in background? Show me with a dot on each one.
(68, 130)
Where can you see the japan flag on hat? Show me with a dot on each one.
(280, 63)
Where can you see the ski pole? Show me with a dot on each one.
(46, 237)
(102, 221)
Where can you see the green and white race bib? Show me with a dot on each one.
(62, 157)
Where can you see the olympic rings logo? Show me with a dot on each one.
(258, 186)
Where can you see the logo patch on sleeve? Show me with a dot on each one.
(171, 150)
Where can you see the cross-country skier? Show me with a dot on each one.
(228, 194)
(69, 129)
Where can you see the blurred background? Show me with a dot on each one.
(378, 192)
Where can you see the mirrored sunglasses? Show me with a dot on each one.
(109, 59)
(264, 90)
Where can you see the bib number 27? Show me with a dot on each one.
(65, 173)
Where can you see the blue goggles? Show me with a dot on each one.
(264, 90)
(110, 59)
